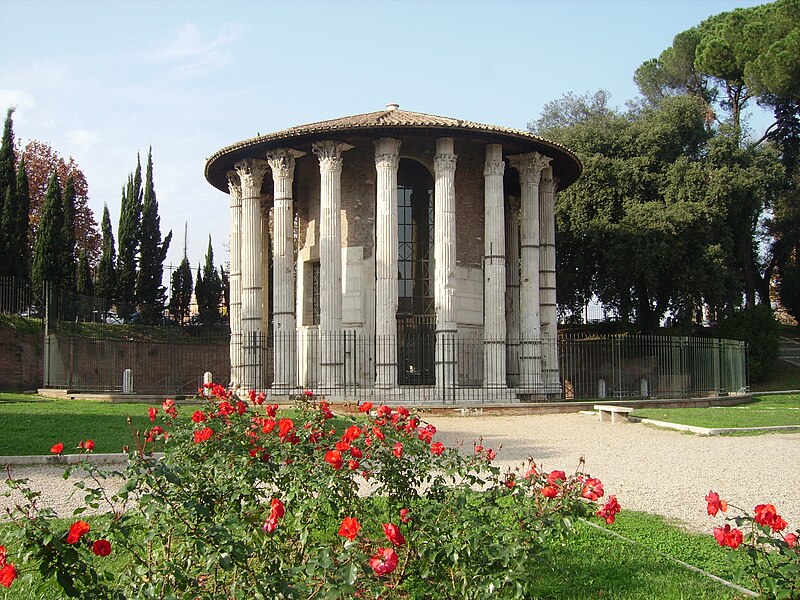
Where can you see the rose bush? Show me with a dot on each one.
(250, 503)
(773, 563)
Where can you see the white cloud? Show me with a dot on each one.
(84, 137)
(196, 51)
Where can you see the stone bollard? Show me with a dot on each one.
(207, 378)
(127, 381)
(643, 388)
(601, 388)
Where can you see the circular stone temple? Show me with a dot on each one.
(393, 249)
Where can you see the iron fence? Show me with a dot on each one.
(415, 369)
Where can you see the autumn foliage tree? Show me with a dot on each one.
(40, 162)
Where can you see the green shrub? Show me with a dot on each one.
(757, 327)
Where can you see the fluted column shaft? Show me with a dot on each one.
(387, 160)
(494, 270)
(235, 278)
(547, 282)
(330, 267)
(512, 290)
(251, 173)
(530, 168)
(444, 164)
(284, 330)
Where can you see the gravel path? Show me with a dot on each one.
(648, 469)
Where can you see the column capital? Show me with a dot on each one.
(549, 184)
(282, 161)
(494, 167)
(234, 188)
(387, 153)
(251, 173)
(329, 153)
(445, 163)
(530, 166)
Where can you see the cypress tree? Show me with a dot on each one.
(22, 259)
(84, 283)
(49, 242)
(208, 293)
(200, 295)
(7, 188)
(128, 237)
(68, 254)
(10, 243)
(180, 298)
(152, 252)
(106, 287)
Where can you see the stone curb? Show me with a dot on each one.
(70, 459)
(716, 430)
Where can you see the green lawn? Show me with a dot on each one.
(591, 564)
(764, 411)
(31, 424)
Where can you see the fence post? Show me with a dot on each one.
(601, 388)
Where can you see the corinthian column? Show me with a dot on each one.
(444, 165)
(251, 173)
(530, 171)
(235, 278)
(512, 289)
(547, 282)
(284, 331)
(330, 267)
(387, 160)
(494, 270)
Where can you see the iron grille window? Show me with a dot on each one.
(315, 293)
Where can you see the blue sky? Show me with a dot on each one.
(103, 80)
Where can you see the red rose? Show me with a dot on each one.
(8, 573)
(334, 459)
(765, 514)
(202, 435)
(726, 536)
(88, 445)
(102, 547)
(2, 556)
(365, 407)
(57, 448)
(555, 476)
(199, 416)
(271, 410)
(353, 464)
(510, 482)
(378, 433)
(355, 452)
(715, 504)
(269, 425)
(609, 510)
(349, 528)
(592, 489)
(152, 412)
(393, 534)
(404, 515)
(427, 433)
(76, 531)
(397, 449)
(790, 539)
(490, 454)
(284, 427)
(352, 433)
(384, 562)
(277, 509)
(308, 393)
(437, 448)
(270, 525)
(550, 491)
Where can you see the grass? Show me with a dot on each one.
(591, 564)
(32, 424)
(764, 411)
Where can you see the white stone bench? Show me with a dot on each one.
(613, 411)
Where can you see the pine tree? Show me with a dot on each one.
(180, 298)
(152, 252)
(68, 255)
(106, 287)
(49, 242)
(208, 289)
(128, 237)
(7, 189)
(21, 259)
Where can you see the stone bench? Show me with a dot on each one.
(613, 411)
